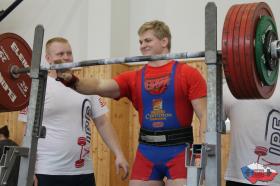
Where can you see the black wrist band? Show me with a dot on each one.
(70, 83)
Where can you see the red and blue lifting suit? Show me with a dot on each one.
(162, 97)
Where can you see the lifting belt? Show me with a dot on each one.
(166, 137)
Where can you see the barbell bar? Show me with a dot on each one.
(116, 60)
(250, 54)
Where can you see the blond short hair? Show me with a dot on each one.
(161, 30)
(53, 40)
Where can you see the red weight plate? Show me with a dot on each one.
(233, 60)
(258, 10)
(238, 51)
(14, 91)
(224, 47)
(236, 73)
(243, 86)
(247, 73)
(227, 50)
(249, 64)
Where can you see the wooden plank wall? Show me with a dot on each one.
(125, 121)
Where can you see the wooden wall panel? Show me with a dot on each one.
(123, 118)
(100, 152)
(120, 119)
(225, 147)
(15, 127)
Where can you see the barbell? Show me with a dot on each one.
(250, 57)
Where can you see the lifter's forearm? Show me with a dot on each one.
(87, 86)
(105, 88)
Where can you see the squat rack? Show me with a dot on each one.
(209, 168)
(210, 151)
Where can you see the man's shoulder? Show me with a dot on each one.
(126, 76)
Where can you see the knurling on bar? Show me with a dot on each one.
(117, 60)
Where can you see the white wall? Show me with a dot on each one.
(106, 28)
(185, 19)
(99, 29)
(85, 23)
(120, 28)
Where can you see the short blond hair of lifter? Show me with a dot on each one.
(161, 30)
(53, 40)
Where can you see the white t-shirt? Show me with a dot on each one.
(255, 139)
(66, 148)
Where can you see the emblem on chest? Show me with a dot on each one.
(157, 85)
(157, 113)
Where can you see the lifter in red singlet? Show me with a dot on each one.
(165, 94)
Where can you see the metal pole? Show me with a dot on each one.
(35, 111)
(214, 98)
(4, 13)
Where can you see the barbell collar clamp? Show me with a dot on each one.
(275, 49)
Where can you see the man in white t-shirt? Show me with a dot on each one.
(63, 157)
(255, 140)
